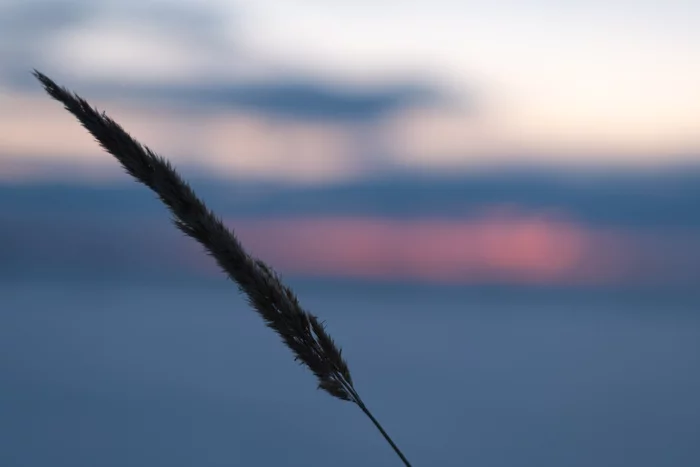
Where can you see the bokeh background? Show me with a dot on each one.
(495, 206)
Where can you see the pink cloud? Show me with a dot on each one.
(497, 247)
(503, 246)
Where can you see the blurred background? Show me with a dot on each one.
(495, 206)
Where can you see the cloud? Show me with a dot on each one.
(513, 228)
(297, 98)
(32, 21)
(490, 248)
(179, 53)
(659, 200)
(64, 34)
(27, 27)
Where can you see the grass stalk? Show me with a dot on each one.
(276, 303)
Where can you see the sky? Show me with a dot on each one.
(429, 85)
(518, 141)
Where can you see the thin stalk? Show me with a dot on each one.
(358, 401)
(364, 408)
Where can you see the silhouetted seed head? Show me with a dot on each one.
(276, 303)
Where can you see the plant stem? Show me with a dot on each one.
(364, 408)
(358, 401)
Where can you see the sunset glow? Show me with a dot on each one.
(490, 249)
